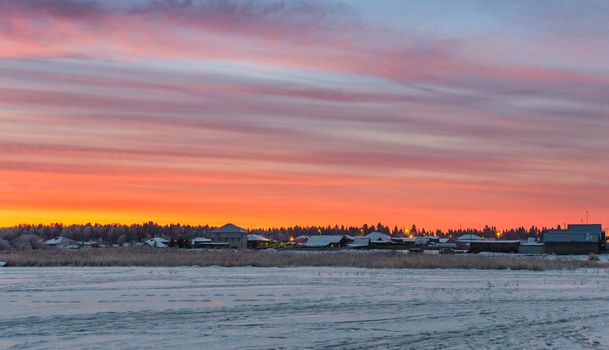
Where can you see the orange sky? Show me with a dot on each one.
(316, 113)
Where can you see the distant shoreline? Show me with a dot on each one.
(227, 258)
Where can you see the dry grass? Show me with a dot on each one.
(170, 257)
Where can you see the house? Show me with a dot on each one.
(258, 242)
(576, 239)
(329, 241)
(60, 242)
(158, 242)
(234, 236)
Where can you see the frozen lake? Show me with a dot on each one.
(304, 308)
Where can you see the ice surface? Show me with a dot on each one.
(302, 308)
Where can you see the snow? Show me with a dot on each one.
(378, 237)
(255, 237)
(295, 308)
(59, 241)
(201, 240)
(158, 242)
(360, 242)
(323, 241)
(469, 237)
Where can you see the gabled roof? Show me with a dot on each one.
(378, 237)
(158, 242)
(469, 237)
(58, 241)
(229, 228)
(323, 241)
(259, 238)
(360, 242)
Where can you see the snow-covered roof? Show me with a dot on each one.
(58, 241)
(255, 237)
(378, 237)
(201, 240)
(360, 242)
(469, 237)
(301, 238)
(323, 241)
(404, 239)
(158, 242)
(229, 228)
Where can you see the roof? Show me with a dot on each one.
(360, 242)
(498, 241)
(259, 238)
(58, 241)
(573, 236)
(469, 237)
(229, 228)
(301, 238)
(323, 241)
(404, 239)
(201, 240)
(591, 228)
(378, 237)
(158, 242)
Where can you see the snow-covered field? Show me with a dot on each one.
(259, 308)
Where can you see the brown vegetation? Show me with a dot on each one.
(174, 257)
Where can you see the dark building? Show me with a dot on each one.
(494, 246)
(576, 239)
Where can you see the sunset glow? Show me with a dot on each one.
(273, 113)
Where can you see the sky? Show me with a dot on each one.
(274, 113)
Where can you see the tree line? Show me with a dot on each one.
(33, 236)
